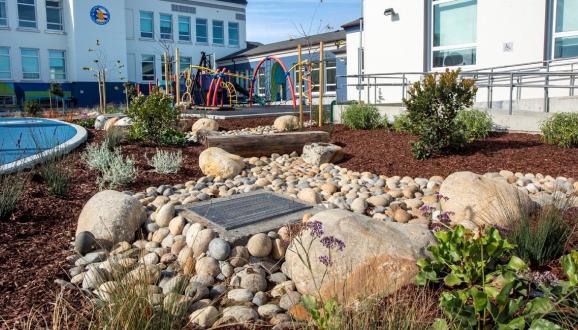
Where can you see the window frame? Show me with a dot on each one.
(213, 26)
(142, 73)
(5, 18)
(152, 20)
(434, 49)
(37, 63)
(197, 34)
(162, 35)
(261, 74)
(33, 5)
(61, 13)
(189, 34)
(7, 55)
(229, 25)
(65, 73)
(558, 35)
(327, 68)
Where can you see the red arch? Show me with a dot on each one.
(287, 75)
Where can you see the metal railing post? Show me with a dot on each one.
(375, 90)
(546, 91)
(519, 88)
(368, 90)
(510, 107)
(403, 86)
(491, 89)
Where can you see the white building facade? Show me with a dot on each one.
(44, 41)
(401, 36)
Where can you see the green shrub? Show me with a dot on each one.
(114, 170)
(11, 189)
(361, 116)
(32, 108)
(114, 137)
(432, 106)
(57, 177)
(402, 124)
(86, 123)
(154, 118)
(561, 129)
(475, 124)
(165, 162)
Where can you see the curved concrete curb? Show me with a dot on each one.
(59, 150)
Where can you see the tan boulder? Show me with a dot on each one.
(286, 123)
(206, 124)
(218, 162)
(110, 123)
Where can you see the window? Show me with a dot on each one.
(184, 28)
(5, 69)
(57, 63)
(454, 33)
(566, 30)
(27, 14)
(30, 63)
(166, 26)
(261, 82)
(146, 24)
(330, 75)
(202, 31)
(3, 13)
(171, 67)
(148, 67)
(185, 63)
(218, 33)
(54, 15)
(315, 78)
(234, 34)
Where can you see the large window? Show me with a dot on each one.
(148, 67)
(218, 33)
(454, 33)
(234, 34)
(5, 68)
(146, 24)
(27, 14)
(57, 62)
(54, 15)
(184, 28)
(166, 26)
(171, 67)
(261, 82)
(566, 29)
(202, 31)
(3, 13)
(30, 63)
(186, 62)
(330, 77)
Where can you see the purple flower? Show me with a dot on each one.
(439, 197)
(427, 210)
(445, 217)
(503, 231)
(316, 228)
(331, 242)
(326, 260)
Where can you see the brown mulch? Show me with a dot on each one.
(36, 240)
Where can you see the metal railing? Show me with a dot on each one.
(546, 75)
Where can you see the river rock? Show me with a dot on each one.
(309, 195)
(205, 317)
(286, 123)
(321, 153)
(259, 245)
(205, 124)
(219, 249)
(217, 162)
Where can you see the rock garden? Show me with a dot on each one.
(471, 229)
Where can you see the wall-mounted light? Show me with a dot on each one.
(389, 12)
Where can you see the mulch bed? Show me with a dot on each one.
(36, 240)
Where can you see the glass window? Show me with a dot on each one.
(166, 26)
(57, 64)
(3, 13)
(202, 30)
(330, 76)
(218, 33)
(171, 66)
(54, 15)
(184, 28)
(315, 78)
(186, 63)
(261, 82)
(148, 67)
(566, 31)
(146, 24)
(27, 13)
(233, 34)
(454, 33)
(30, 63)
(5, 69)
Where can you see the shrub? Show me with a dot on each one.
(402, 124)
(57, 177)
(561, 129)
(475, 124)
(154, 118)
(32, 108)
(114, 169)
(432, 106)
(361, 116)
(114, 137)
(165, 162)
(86, 123)
(11, 189)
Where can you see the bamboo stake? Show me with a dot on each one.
(103, 89)
(177, 76)
(167, 73)
(321, 82)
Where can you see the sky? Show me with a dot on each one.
(275, 20)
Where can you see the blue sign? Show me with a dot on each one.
(100, 15)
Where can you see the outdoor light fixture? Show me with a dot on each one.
(389, 12)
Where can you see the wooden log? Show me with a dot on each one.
(265, 145)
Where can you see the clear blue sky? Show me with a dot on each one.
(276, 20)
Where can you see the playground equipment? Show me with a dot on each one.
(287, 74)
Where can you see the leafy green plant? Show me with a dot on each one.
(402, 124)
(114, 137)
(432, 106)
(114, 169)
(57, 176)
(166, 162)
(12, 187)
(474, 124)
(361, 117)
(154, 118)
(561, 129)
(86, 123)
(32, 108)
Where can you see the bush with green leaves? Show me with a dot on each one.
(114, 137)
(561, 129)
(361, 117)
(432, 106)
(402, 124)
(32, 108)
(154, 119)
(166, 162)
(12, 187)
(57, 176)
(86, 123)
(115, 170)
(474, 124)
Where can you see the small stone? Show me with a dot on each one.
(280, 319)
(309, 195)
(282, 288)
(151, 259)
(254, 282)
(205, 317)
(208, 266)
(202, 241)
(279, 249)
(165, 215)
(240, 314)
(268, 311)
(240, 295)
(382, 200)
(259, 245)
(219, 249)
(359, 205)
(277, 278)
(160, 235)
(239, 256)
(289, 300)
(401, 216)
(260, 298)
(329, 188)
(176, 225)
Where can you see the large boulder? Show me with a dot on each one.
(321, 153)
(379, 257)
(206, 124)
(286, 123)
(99, 122)
(482, 201)
(217, 162)
(108, 218)
(124, 122)
(110, 123)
